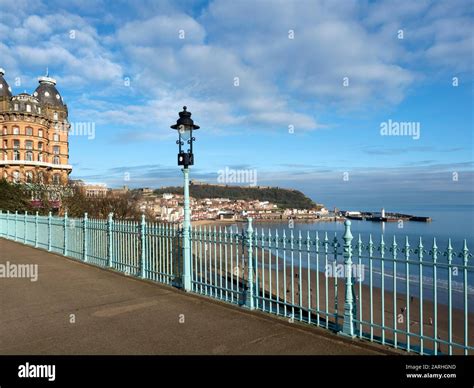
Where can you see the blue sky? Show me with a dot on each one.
(129, 67)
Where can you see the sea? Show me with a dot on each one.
(455, 222)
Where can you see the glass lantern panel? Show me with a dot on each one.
(185, 132)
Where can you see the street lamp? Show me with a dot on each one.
(185, 126)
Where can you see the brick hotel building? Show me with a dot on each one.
(34, 131)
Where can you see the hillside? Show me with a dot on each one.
(284, 198)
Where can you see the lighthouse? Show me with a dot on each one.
(382, 213)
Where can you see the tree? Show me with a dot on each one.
(75, 204)
(124, 206)
(14, 197)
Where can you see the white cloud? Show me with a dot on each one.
(281, 80)
(37, 25)
(160, 30)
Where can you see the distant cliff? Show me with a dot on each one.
(284, 198)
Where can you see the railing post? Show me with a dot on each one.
(348, 326)
(465, 256)
(250, 302)
(84, 237)
(65, 234)
(110, 221)
(25, 228)
(49, 231)
(142, 245)
(434, 253)
(16, 225)
(8, 223)
(36, 230)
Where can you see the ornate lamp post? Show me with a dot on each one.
(185, 126)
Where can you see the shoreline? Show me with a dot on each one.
(260, 221)
(396, 310)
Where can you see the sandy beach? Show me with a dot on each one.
(406, 311)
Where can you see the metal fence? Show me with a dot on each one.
(143, 249)
(406, 297)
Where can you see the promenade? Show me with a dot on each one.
(74, 308)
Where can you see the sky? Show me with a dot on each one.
(297, 94)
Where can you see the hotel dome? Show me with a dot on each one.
(34, 131)
(46, 92)
(5, 90)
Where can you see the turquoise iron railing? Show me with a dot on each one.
(392, 293)
(143, 249)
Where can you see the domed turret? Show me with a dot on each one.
(36, 126)
(5, 90)
(47, 93)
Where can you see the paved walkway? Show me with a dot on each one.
(74, 308)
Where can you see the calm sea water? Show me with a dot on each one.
(455, 222)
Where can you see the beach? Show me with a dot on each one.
(317, 296)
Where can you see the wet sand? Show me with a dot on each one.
(330, 298)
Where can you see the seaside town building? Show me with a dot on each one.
(98, 190)
(34, 131)
(168, 207)
(95, 190)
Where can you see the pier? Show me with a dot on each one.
(383, 216)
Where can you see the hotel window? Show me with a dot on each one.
(16, 130)
(56, 179)
(55, 137)
(15, 106)
(5, 144)
(29, 176)
(56, 160)
(56, 150)
(40, 132)
(40, 146)
(28, 144)
(29, 131)
(16, 155)
(55, 115)
(16, 176)
(40, 177)
(16, 144)
(29, 156)
(28, 108)
(5, 131)
(40, 157)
